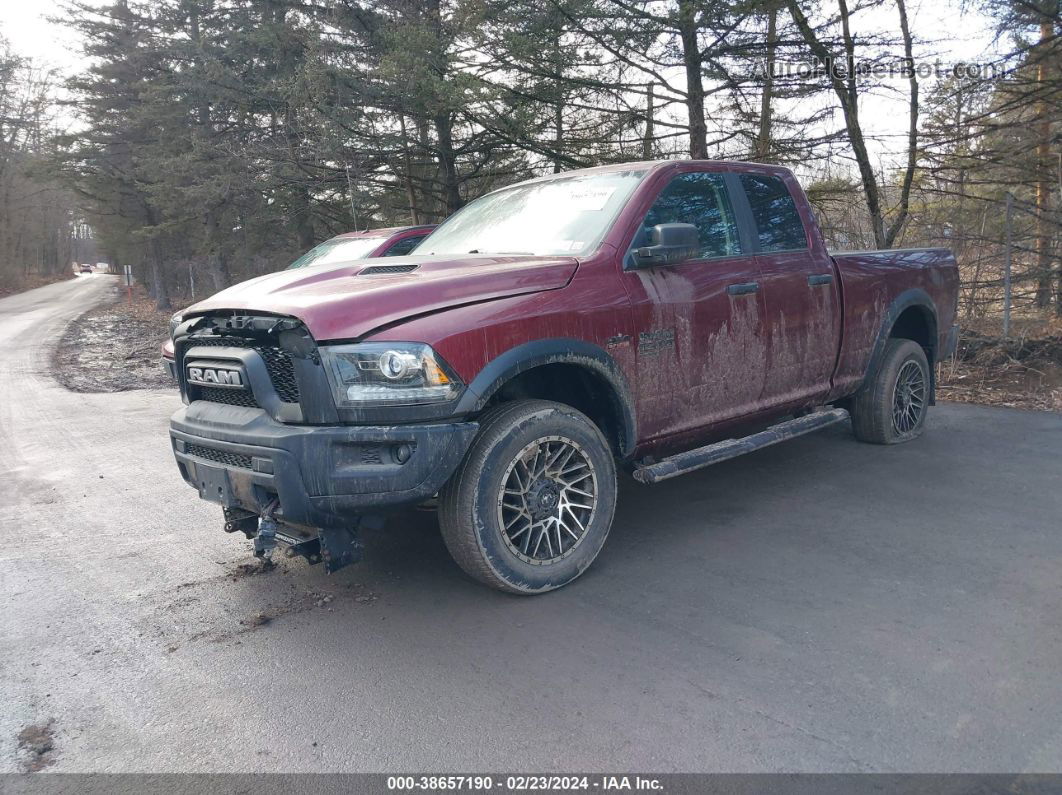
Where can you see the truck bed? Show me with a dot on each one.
(871, 284)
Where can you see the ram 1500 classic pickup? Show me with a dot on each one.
(658, 317)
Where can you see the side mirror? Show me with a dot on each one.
(669, 244)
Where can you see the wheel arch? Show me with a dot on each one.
(570, 371)
(911, 315)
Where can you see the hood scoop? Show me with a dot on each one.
(380, 270)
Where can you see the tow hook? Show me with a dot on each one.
(266, 540)
(335, 547)
(238, 520)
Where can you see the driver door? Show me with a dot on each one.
(700, 345)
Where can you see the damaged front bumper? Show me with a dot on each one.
(305, 478)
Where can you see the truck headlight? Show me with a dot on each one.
(175, 321)
(388, 374)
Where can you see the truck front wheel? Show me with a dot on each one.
(892, 407)
(530, 506)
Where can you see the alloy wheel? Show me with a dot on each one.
(909, 398)
(548, 498)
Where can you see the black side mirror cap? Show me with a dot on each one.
(669, 244)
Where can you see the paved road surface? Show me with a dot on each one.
(821, 606)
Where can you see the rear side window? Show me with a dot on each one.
(778, 223)
(404, 246)
(698, 199)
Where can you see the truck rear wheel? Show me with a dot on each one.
(530, 506)
(892, 407)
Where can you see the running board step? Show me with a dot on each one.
(731, 448)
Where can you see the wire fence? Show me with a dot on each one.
(1008, 250)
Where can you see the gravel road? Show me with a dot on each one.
(822, 605)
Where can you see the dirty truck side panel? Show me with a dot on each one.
(804, 313)
(700, 348)
(804, 320)
(877, 286)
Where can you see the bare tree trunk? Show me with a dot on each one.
(961, 232)
(448, 162)
(647, 140)
(1043, 170)
(691, 58)
(846, 90)
(558, 129)
(158, 281)
(303, 217)
(411, 195)
(912, 132)
(217, 266)
(428, 194)
(1058, 266)
(762, 151)
(558, 99)
(215, 261)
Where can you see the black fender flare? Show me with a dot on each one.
(556, 350)
(914, 297)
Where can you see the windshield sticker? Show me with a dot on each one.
(590, 199)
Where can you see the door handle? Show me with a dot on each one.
(743, 289)
(820, 278)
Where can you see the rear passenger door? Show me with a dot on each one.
(801, 293)
(704, 316)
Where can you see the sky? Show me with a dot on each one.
(950, 35)
(24, 23)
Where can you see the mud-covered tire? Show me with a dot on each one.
(892, 407)
(477, 504)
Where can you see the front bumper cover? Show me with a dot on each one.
(321, 476)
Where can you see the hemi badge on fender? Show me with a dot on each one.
(653, 342)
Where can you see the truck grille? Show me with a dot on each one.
(218, 456)
(281, 372)
(279, 363)
(230, 397)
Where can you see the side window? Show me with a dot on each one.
(698, 199)
(777, 220)
(403, 246)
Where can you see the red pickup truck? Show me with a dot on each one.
(657, 317)
(395, 241)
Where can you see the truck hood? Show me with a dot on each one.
(348, 300)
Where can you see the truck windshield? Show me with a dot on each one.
(338, 250)
(563, 215)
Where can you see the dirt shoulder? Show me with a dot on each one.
(114, 348)
(11, 285)
(1024, 371)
